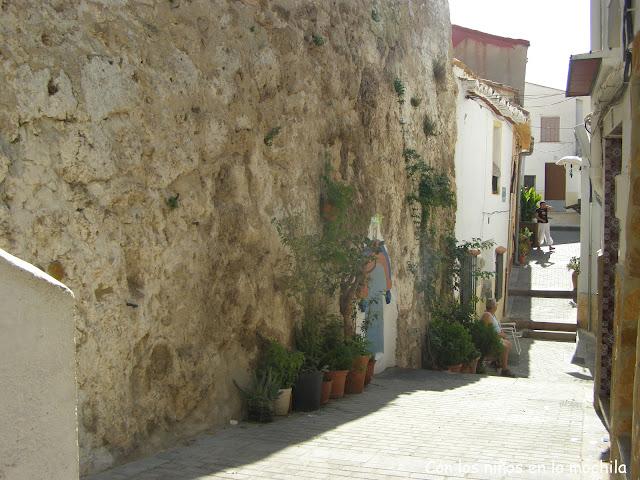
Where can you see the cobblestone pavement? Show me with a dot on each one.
(415, 424)
(548, 271)
(539, 309)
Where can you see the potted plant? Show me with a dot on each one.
(449, 343)
(338, 360)
(359, 346)
(307, 390)
(486, 340)
(529, 200)
(524, 244)
(337, 356)
(260, 396)
(285, 366)
(327, 382)
(574, 266)
(370, 369)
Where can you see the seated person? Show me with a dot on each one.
(489, 318)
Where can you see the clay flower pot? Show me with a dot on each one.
(370, 368)
(574, 279)
(522, 259)
(357, 374)
(470, 367)
(282, 404)
(338, 378)
(326, 391)
(455, 368)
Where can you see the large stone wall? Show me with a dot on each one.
(110, 108)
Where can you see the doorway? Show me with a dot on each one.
(555, 182)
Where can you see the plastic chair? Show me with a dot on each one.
(510, 329)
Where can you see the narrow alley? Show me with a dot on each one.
(310, 239)
(416, 424)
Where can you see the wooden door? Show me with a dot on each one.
(555, 181)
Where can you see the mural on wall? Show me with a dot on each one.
(377, 291)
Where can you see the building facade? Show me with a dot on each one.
(487, 155)
(553, 119)
(609, 285)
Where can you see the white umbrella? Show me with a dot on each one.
(570, 160)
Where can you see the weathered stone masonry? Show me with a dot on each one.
(133, 165)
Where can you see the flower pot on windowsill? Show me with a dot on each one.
(574, 279)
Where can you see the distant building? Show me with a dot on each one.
(553, 119)
(497, 59)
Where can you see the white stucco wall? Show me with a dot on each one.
(543, 101)
(480, 213)
(38, 425)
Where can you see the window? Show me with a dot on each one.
(530, 181)
(468, 279)
(550, 129)
(496, 157)
(499, 274)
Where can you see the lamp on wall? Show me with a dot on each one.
(570, 160)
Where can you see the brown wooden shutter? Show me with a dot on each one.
(550, 129)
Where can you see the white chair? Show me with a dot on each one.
(510, 329)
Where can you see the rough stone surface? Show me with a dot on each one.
(111, 108)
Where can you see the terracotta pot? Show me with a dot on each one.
(370, 367)
(326, 391)
(574, 279)
(522, 259)
(282, 404)
(470, 367)
(455, 368)
(357, 374)
(338, 378)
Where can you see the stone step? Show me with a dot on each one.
(524, 324)
(551, 335)
(542, 293)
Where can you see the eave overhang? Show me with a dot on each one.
(583, 73)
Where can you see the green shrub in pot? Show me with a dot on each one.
(449, 343)
(486, 339)
(284, 364)
(260, 396)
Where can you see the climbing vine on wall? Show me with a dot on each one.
(431, 191)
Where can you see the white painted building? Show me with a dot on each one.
(553, 118)
(485, 158)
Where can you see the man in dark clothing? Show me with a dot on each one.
(544, 229)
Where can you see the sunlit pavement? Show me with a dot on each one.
(416, 424)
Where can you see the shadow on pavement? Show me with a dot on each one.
(242, 445)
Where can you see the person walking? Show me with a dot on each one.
(544, 229)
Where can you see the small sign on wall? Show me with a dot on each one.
(504, 194)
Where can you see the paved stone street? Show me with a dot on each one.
(548, 271)
(415, 424)
(545, 272)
